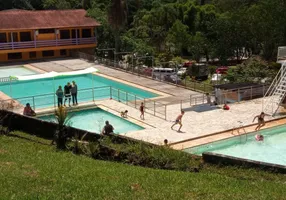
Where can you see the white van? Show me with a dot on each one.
(163, 72)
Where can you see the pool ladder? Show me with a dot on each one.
(238, 128)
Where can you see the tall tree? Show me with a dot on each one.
(117, 19)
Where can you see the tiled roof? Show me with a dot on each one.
(24, 19)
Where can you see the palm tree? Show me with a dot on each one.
(61, 135)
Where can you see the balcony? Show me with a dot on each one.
(47, 43)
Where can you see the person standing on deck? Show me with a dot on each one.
(179, 121)
(60, 95)
(142, 107)
(74, 93)
(67, 93)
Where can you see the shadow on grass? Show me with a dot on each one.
(36, 140)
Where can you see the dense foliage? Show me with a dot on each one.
(197, 29)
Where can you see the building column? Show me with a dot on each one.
(76, 36)
(35, 39)
(56, 31)
(12, 40)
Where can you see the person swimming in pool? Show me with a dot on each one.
(259, 137)
(261, 121)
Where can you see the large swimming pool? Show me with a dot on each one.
(271, 150)
(93, 120)
(43, 90)
(15, 71)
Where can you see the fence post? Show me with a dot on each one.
(135, 102)
(263, 90)
(181, 105)
(110, 92)
(34, 103)
(154, 108)
(185, 82)
(238, 94)
(118, 95)
(195, 85)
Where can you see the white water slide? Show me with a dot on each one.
(276, 93)
(55, 74)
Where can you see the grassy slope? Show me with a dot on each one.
(30, 170)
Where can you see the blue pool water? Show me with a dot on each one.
(15, 71)
(93, 120)
(271, 150)
(24, 90)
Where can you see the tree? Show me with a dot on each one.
(178, 37)
(117, 19)
(253, 70)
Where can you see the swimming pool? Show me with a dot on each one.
(271, 150)
(93, 120)
(15, 71)
(43, 90)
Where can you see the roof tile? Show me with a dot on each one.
(24, 19)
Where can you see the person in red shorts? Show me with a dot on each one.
(225, 107)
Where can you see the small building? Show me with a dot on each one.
(27, 35)
(235, 92)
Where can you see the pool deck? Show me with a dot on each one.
(198, 122)
(195, 124)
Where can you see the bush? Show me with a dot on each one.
(158, 157)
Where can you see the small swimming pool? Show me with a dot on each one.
(271, 150)
(93, 120)
(43, 90)
(15, 71)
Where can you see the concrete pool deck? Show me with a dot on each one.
(195, 124)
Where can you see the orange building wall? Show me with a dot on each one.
(48, 36)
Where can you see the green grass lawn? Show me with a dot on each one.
(32, 169)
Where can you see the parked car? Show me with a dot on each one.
(222, 70)
(161, 72)
(182, 71)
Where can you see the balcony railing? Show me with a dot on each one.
(47, 43)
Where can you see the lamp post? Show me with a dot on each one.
(127, 52)
(109, 49)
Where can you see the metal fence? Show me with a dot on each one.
(88, 95)
(47, 43)
(241, 94)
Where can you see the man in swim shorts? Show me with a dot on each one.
(67, 93)
(179, 121)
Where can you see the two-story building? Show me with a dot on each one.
(26, 35)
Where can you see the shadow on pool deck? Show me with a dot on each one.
(201, 108)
